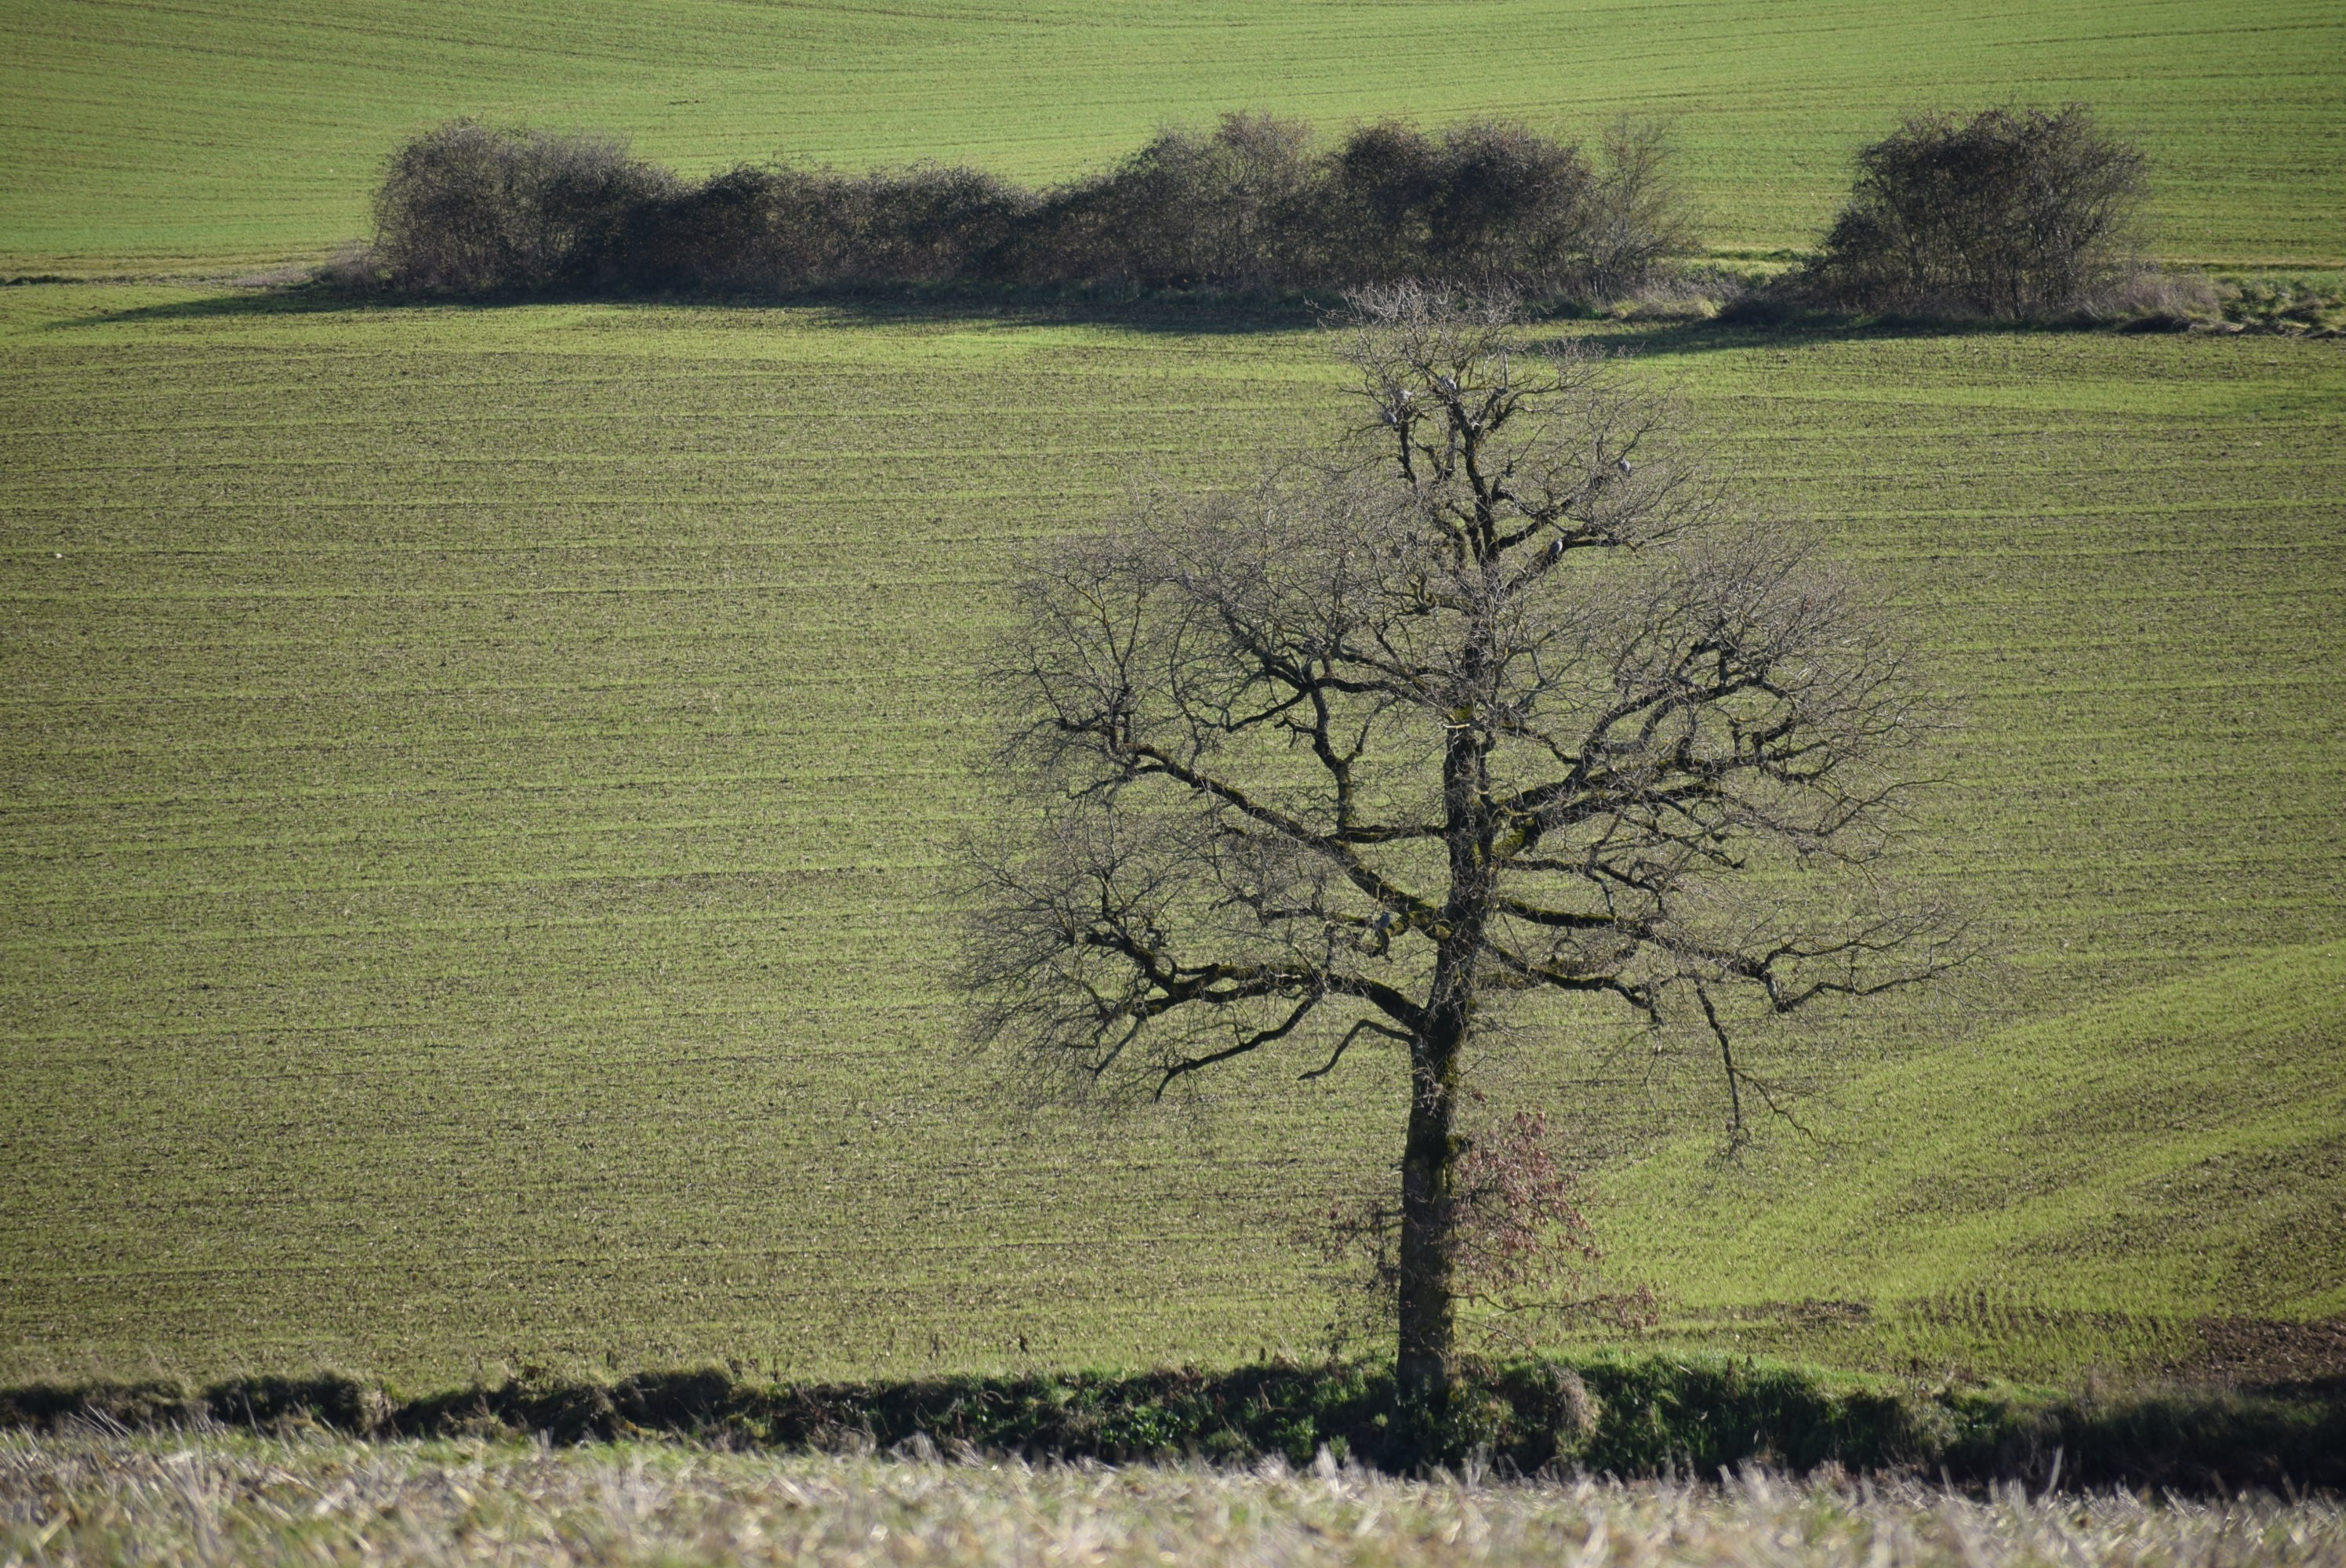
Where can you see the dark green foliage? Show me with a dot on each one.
(1622, 1416)
(2010, 214)
(1700, 1415)
(1250, 205)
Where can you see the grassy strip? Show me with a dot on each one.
(1622, 1416)
(92, 1497)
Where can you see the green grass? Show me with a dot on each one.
(225, 133)
(2045, 1197)
(477, 788)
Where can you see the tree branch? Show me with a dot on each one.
(1365, 1025)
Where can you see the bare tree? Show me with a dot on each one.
(1640, 216)
(2012, 213)
(1495, 699)
(469, 208)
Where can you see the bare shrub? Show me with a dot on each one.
(2013, 213)
(933, 222)
(1252, 204)
(475, 208)
(1509, 209)
(728, 232)
(1488, 203)
(1226, 209)
(1638, 216)
(1377, 188)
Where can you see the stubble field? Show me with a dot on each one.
(481, 787)
(98, 1500)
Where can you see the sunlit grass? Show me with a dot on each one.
(480, 787)
(227, 133)
(79, 1499)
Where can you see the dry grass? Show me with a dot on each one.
(104, 1498)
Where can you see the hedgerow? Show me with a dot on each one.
(1255, 203)
(1626, 1416)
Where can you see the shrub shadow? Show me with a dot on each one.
(1162, 314)
(1183, 315)
(1700, 337)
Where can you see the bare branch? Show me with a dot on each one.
(1260, 1037)
(1364, 1026)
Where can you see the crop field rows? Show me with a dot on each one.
(481, 790)
(255, 132)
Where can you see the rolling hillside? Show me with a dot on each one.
(138, 137)
(2063, 1192)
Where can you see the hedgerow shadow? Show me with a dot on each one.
(1705, 337)
(1164, 313)
(1181, 315)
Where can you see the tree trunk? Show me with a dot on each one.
(1428, 1215)
(1428, 1211)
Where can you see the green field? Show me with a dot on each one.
(477, 791)
(2072, 1192)
(223, 134)
(479, 786)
